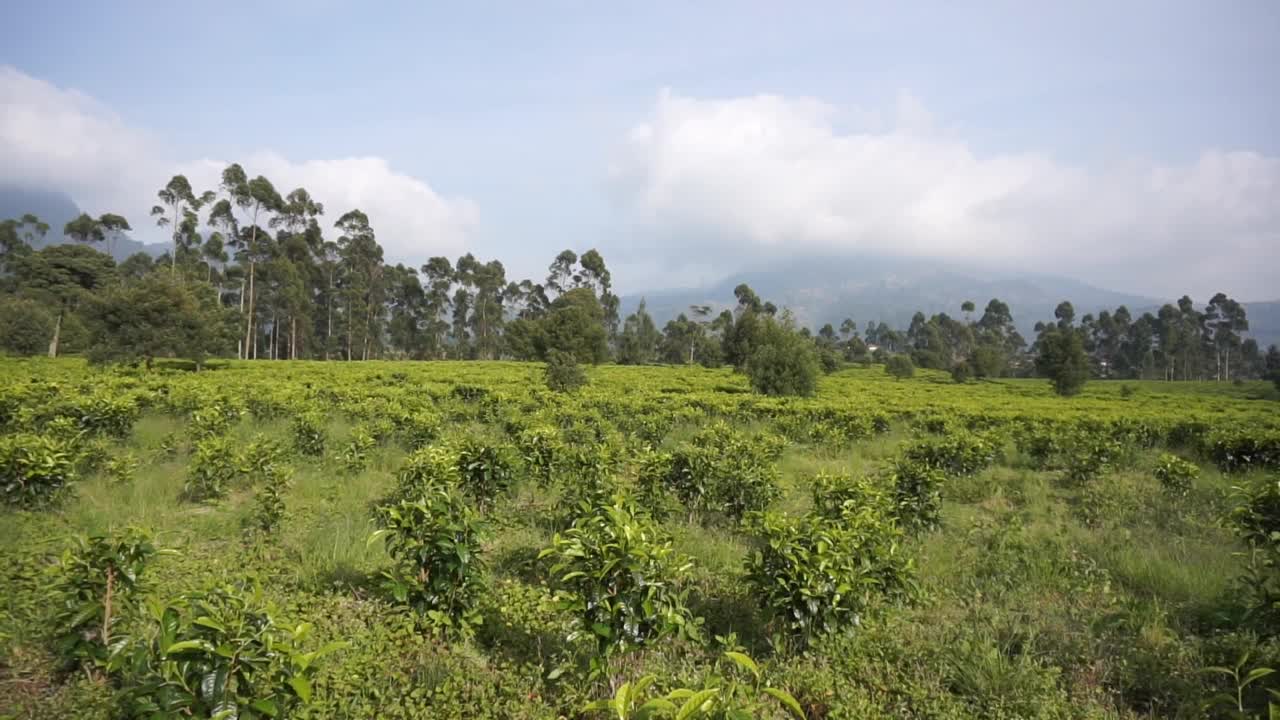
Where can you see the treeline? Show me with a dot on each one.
(255, 274)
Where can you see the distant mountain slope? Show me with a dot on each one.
(823, 289)
(57, 208)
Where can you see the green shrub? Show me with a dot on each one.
(309, 434)
(917, 493)
(354, 456)
(722, 695)
(783, 362)
(957, 452)
(120, 469)
(816, 574)
(419, 430)
(214, 467)
(1087, 455)
(540, 447)
(97, 585)
(486, 471)
(1238, 449)
(835, 495)
(439, 571)
(35, 470)
(900, 366)
(619, 575)
(268, 501)
(218, 654)
(725, 471)
(25, 327)
(563, 372)
(1175, 474)
(213, 419)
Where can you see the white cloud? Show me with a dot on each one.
(61, 139)
(768, 174)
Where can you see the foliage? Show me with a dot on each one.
(268, 502)
(722, 695)
(782, 361)
(215, 654)
(25, 327)
(487, 471)
(917, 493)
(900, 366)
(355, 455)
(563, 372)
(309, 433)
(99, 580)
(620, 576)
(955, 453)
(435, 542)
(1062, 359)
(35, 470)
(156, 316)
(725, 471)
(1175, 474)
(815, 574)
(214, 467)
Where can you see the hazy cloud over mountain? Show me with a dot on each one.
(768, 175)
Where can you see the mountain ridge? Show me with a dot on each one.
(822, 289)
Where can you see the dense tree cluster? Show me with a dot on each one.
(256, 274)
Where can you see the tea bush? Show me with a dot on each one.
(215, 654)
(214, 467)
(435, 542)
(1175, 474)
(97, 585)
(309, 434)
(620, 576)
(917, 493)
(487, 472)
(725, 471)
(816, 574)
(35, 470)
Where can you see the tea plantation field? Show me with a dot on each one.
(454, 540)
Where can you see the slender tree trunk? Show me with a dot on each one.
(57, 334)
(242, 349)
(173, 259)
(253, 238)
(349, 329)
(328, 331)
(293, 337)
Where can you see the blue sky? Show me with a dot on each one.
(687, 140)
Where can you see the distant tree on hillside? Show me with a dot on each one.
(638, 343)
(900, 366)
(782, 362)
(1060, 354)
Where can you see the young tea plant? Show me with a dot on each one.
(435, 543)
(219, 654)
(816, 574)
(1176, 475)
(99, 580)
(620, 575)
(35, 470)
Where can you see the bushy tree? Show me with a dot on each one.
(563, 372)
(25, 327)
(782, 361)
(575, 325)
(900, 366)
(638, 343)
(157, 316)
(1062, 359)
